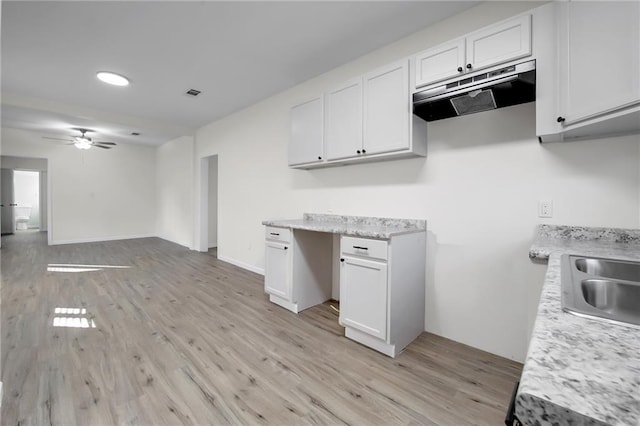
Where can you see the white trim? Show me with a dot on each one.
(184, 244)
(242, 265)
(101, 239)
(371, 341)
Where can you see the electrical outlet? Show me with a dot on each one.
(545, 208)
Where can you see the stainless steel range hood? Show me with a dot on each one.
(496, 88)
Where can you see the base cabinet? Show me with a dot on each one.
(364, 295)
(382, 290)
(277, 277)
(289, 278)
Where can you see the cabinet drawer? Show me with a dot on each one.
(364, 247)
(278, 234)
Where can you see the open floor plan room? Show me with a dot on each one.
(146, 332)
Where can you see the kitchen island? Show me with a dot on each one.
(580, 370)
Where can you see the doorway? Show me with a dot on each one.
(24, 188)
(26, 193)
(208, 233)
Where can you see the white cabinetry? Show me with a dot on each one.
(499, 43)
(387, 109)
(289, 278)
(343, 120)
(600, 51)
(306, 132)
(595, 87)
(365, 119)
(382, 290)
(277, 273)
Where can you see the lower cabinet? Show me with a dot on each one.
(382, 290)
(277, 277)
(290, 279)
(363, 295)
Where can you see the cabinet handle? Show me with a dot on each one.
(358, 151)
(319, 158)
(360, 248)
(469, 66)
(364, 151)
(273, 233)
(560, 119)
(342, 259)
(286, 248)
(460, 69)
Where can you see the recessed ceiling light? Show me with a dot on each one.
(113, 78)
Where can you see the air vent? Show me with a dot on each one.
(193, 92)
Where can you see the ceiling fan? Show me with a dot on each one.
(85, 142)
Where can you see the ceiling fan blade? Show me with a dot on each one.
(57, 139)
(106, 143)
(101, 146)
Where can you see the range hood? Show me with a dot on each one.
(496, 88)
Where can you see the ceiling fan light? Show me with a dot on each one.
(112, 78)
(82, 144)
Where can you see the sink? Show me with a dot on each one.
(607, 268)
(607, 289)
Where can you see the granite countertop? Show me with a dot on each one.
(359, 226)
(580, 370)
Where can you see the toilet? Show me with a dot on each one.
(22, 215)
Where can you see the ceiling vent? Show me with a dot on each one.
(193, 92)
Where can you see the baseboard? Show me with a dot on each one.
(100, 239)
(242, 265)
(180, 243)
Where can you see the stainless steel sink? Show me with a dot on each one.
(608, 289)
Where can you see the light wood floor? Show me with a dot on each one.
(181, 338)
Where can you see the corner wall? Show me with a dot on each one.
(175, 193)
(478, 189)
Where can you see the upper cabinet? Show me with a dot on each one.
(440, 63)
(364, 119)
(306, 132)
(600, 70)
(387, 109)
(343, 120)
(503, 42)
(592, 84)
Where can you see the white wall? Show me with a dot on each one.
(213, 202)
(175, 192)
(26, 186)
(95, 194)
(478, 189)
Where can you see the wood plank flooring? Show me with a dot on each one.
(182, 338)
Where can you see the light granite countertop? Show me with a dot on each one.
(580, 370)
(359, 226)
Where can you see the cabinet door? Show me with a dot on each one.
(440, 62)
(343, 121)
(387, 109)
(599, 58)
(499, 43)
(306, 138)
(277, 270)
(363, 296)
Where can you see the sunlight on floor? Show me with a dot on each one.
(73, 317)
(70, 267)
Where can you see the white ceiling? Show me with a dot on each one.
(236, 53)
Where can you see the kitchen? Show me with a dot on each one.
(478, 189)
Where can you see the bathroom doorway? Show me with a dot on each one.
(25, 201)
(26, 193)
